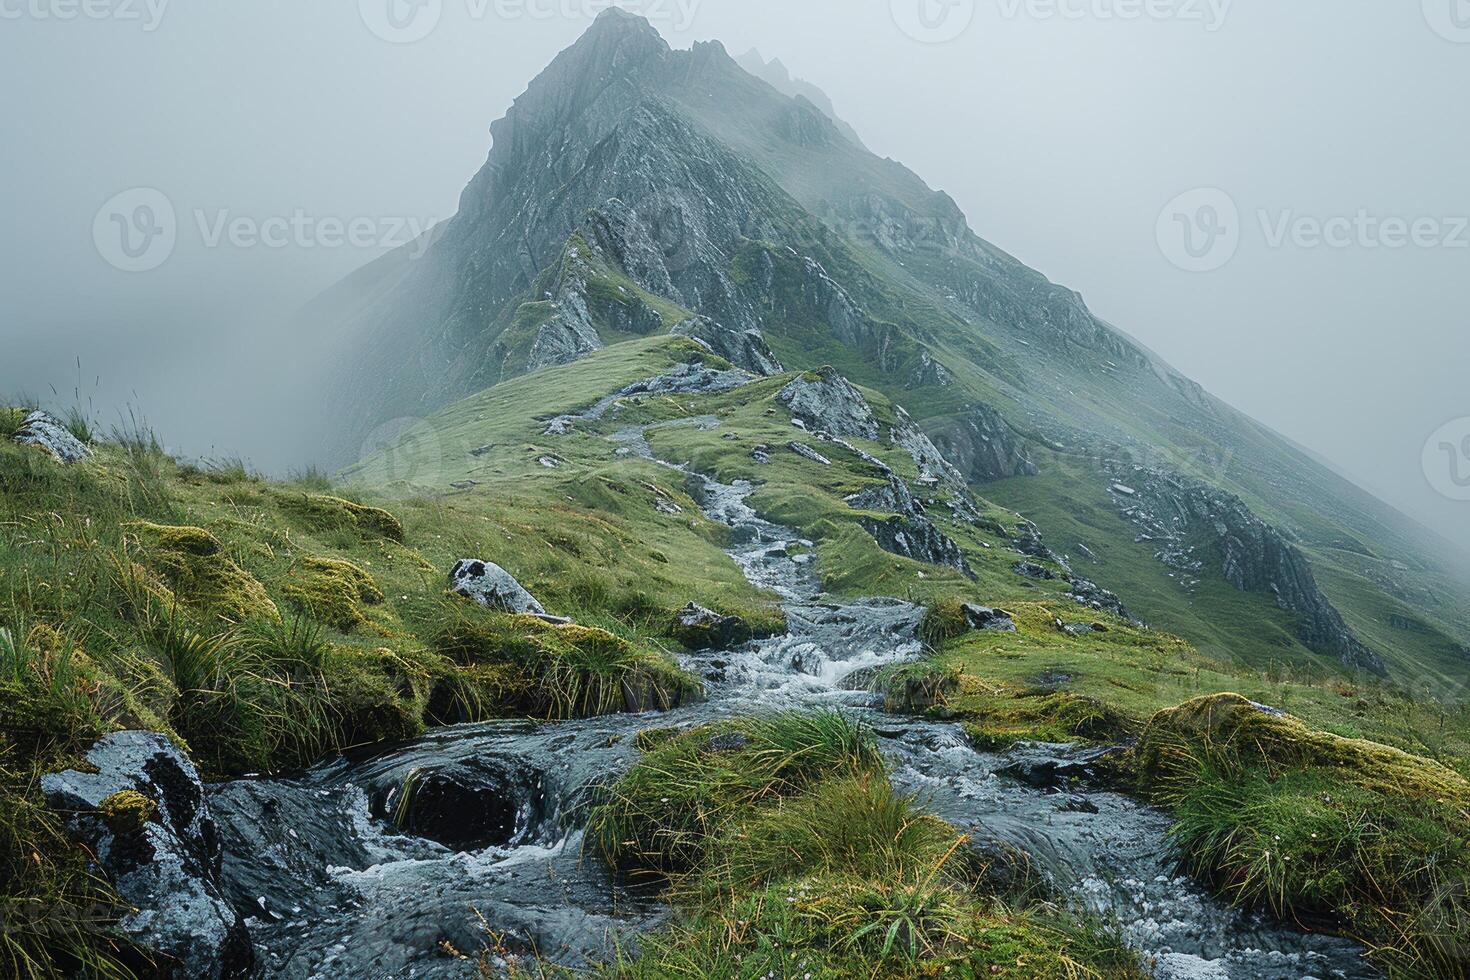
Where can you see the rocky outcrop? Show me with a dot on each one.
(893, 497)
(916, 537)
(49, 433)
(142, 814)
(699, 628)
(493, 587)
(1182, 516)
(1094, 596)
(987, 619)
(983, 446)
(686, 379)
(825, 401)
(745, 349)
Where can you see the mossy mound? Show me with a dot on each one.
(201, 575)
(1175, 738)
(569, 671)
(326, 512)
(661, 815)
(1315, 827)
(916, 687)
(943, 621)
(127, 811)
(997, 717)
(332, 590)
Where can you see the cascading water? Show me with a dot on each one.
(385, 864)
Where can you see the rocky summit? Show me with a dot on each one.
(774, 579)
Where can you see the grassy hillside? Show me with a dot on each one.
(266, 624)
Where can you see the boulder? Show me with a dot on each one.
(47, 432)
(985, 618)
(699, 628)
(826, 402)
(142, 812)
(493, 587)
(1029, 569)
(469, 805)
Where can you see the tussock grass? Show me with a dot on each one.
(661, 815)
(567, 671)
(1334, 832)
(789, 854)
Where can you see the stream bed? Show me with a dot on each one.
(336, 891)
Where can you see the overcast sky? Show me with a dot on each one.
(1321, 148)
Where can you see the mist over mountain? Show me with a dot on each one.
(700, 550)
(636, 189)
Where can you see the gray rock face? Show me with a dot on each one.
(807, 452)
(48, 432)
(492, 586)
(985, 618)
(699, 628)
(167, 867)
(1090, 594)
(983, 447)
(1031, 570)
(893, 497)
(825, 401)
(745, 349)
(916, 537)
(1172, 511)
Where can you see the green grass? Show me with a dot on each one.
(788, 853)
(1341, 834)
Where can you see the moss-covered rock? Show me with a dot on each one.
(332, 590)
(1177, 738)
(326, 512)
(570, 671)
(126, 811)
(1313, 826)
(193, 563)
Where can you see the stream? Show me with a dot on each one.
(492, 848)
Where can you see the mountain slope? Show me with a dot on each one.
(635, 190)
